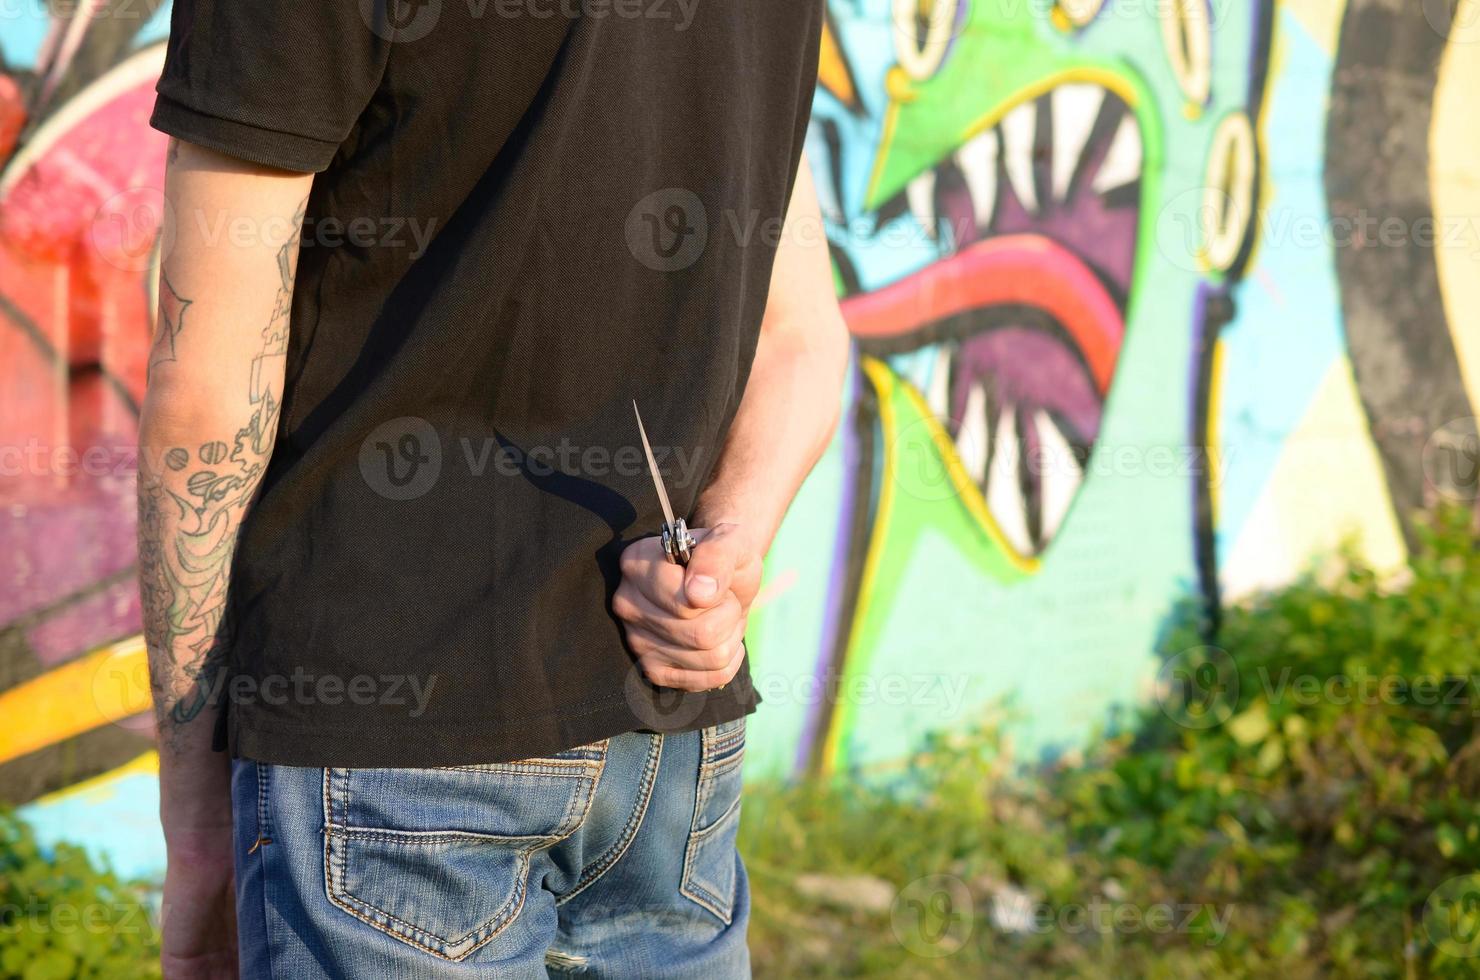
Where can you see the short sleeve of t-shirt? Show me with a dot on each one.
(276, 82)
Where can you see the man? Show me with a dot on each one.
(396, 533)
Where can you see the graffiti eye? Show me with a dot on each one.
(1228, 197)
(1187, 31)
(1069, 14)
(922, 34)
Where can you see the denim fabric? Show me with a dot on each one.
(615, 859)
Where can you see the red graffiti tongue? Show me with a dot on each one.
(1021, 270)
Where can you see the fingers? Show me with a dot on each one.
(686, 626)
(716, 654)
(721, 555)
(701, 629)
(647, 575)
(664, 674)
(723, 564)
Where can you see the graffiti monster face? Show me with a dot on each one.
(1035, 217)
(1007, 313)
(1034, 210)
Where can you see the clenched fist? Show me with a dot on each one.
(686, 625)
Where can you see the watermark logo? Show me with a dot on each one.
(1451, 459)
(119, 685)
(1199, 228)
(402, 458)
(933, 916)
(128, 226)
(401, 21)
(922, 465)
(661, 708)
(1198, 688)
(1451, 916)
(667, 230)
(923, 32)
(1456, 21)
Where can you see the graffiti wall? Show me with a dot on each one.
(1154, 303)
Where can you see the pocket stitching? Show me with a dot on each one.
(263, 828)
(414, 838)
(713, 742)
(579, 768)
(497, 924)
(593, 872)
(709, 774)
(575, 815)
(596, 760)
(408, 932)
(708, 832)
(693, 888)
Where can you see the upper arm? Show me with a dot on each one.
(258, 95)
(802, 301)
(276, 82)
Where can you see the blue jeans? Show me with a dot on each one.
(615, 859)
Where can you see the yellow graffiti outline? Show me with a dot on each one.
(901, 92)
(966, 489)
(882, 378)
(886, 384)
(1212, 435)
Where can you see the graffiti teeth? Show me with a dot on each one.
(938, 394)
(1059, 475)
(977, 161)
(1122, 163)
(1051, 187)
(971, 440)
(1004, 491)
(1075, 108)
(1019, 129)
(921, 194)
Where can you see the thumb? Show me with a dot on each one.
(718, 554)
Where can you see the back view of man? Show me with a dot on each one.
(395, 522)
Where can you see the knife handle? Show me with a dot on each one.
(678, 543)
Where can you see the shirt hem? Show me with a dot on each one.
(261, 740)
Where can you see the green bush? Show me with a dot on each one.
(62, 918)
(1287, 807)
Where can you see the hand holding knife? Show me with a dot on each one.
(678, 543)
(662, 636)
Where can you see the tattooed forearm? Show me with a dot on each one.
(171, 318)
(192, 501)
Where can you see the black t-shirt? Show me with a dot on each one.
(527, 213)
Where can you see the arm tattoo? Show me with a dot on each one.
(192, 500)
(171, 318)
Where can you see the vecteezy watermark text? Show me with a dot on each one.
(403, 458)
(302, 687)
(935, 916)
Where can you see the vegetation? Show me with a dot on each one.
(1300, 801)
(62, 918)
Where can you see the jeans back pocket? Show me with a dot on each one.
(710, 860)
(439, 858)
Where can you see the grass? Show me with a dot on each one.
(1301, 801)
